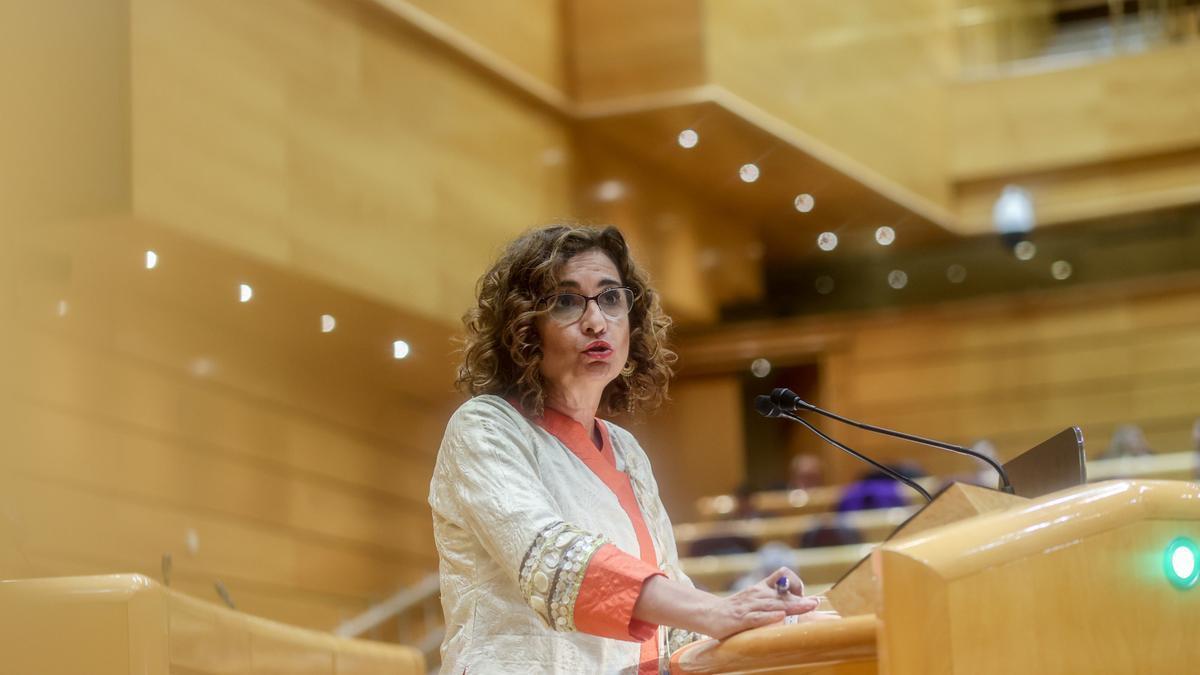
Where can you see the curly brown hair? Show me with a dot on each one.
(502, 352)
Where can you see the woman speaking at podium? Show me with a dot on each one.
(555, 552)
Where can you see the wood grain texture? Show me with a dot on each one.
(1160, 180)
(1040, 582)
(865, 77)
(626, 48)
(323, 139)
(527, 33)
(857, 592)
(1107, 110)
(834, 647)
(58, 60)
(292, 469)
(1013, 370)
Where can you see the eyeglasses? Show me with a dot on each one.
(569, 307)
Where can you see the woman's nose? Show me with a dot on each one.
(593, 320)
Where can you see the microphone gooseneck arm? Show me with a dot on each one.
(767, 408)
(788, 400)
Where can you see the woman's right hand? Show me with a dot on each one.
(759, 605)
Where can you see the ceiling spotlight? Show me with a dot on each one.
(824, 285)
(400, 349)
(1025, 250)
(328, 323)
(1013, 211)
(827, 241)
(897, 279)
(688, 138)
(885, 235)
(151, 260)
(245, 293)
(956, 273)
(760, 367)
(1061, 270)
(804, 203)
(748, 173)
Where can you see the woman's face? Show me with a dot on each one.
(581, 357)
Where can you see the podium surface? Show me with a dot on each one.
(1078, 581)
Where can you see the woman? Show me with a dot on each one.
(555, 552)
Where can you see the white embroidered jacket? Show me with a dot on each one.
(516, 517)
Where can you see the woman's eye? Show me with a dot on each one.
(564, 301)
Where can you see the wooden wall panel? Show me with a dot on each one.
(56, 520)
(1013, 370)
(527, 33)
(695, 443)
(1089, 191)
(865, 78)
(625, 48)
(82, 451)
(994, 33)
(324, 137)
(315, 610)
(65, 134)
(1107, 110)
(1018, 372)
(301, 465)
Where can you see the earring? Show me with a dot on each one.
(626, 373)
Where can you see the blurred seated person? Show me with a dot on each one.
(985, 475)
(724, 544)
(806, 471)
(744, 508)
(1128, 440)
(876, 490)
(833, 533)
(772, 556)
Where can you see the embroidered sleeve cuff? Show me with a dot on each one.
(610, 589)
(552, 571)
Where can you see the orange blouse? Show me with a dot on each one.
(613, 580)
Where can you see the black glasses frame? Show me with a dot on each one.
(593, 298)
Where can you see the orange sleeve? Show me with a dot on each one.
(610, 588)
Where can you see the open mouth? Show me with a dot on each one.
(599, 350)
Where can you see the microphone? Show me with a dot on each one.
(767, 408)
(788, 400)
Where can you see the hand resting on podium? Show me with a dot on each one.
(671, 603)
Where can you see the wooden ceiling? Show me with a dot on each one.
(844, 204)
(849, 106)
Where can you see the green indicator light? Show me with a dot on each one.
(1181, 564)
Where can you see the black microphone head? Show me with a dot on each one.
(786, 399)
(765, 407)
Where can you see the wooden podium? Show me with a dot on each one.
(1077, 581)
